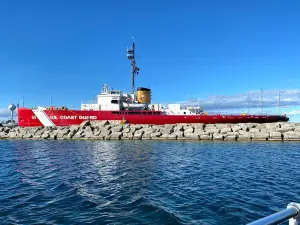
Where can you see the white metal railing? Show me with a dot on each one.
(291, 213)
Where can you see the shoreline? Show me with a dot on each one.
(113, 130)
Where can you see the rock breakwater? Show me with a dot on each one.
(105, 130)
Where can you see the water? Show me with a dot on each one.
(145, 182)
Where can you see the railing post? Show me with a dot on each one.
(291, 213)
(295, 220)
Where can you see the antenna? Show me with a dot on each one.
(278, 103)
(248, 103)
(262, 103)
(135, 69)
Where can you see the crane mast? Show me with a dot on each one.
(135, 69)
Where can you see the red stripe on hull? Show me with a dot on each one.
(27, 118)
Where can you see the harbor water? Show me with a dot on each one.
(145, 182)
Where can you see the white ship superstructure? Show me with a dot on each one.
(116, 100)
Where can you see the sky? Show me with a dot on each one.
(211, 53)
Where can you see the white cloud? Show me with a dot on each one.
(252, 99)
(5, 114)
(293, 112)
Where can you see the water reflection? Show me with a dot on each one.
(115, 173)
(142, 182)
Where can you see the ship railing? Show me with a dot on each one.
(291, 213)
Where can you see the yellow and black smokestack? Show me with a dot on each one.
(144, 95)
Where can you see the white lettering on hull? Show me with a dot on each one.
(87, 117)
(68, 117)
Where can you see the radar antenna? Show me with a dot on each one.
(135, 69)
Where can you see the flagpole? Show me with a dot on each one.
(262, 103)
(278, 102)
(248, 103)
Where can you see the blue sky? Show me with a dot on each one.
(185, 49)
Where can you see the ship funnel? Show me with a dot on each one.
(144, 95)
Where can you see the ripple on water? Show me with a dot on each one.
(141, 182)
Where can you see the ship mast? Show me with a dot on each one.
(135, 69)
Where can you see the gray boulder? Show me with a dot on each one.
(222, 125)
(205, 137)
(230, 138)
(104, 133)
(218, 137)
(231, 134)
(191, 136)
(45, 135)
(116, 135)
(198, 126)
(260, 136)
(3, 135)
(78, 135)
(149, 130)
(275, 136)
(88, 134)
(201, 132)
(285, 129)
(243, 132)
(189, 130)
(62, 132)
(85, 123)
(272, 126)
(138, 134)
(250, 125)
(164, 136)
(12, 135)
(156, 134)
(254, 130)
(167, 131)
(99, 123)
(212, 130)
(244, 127)
(127, 136)
(225, 130)
(97, 131)
(117, 129)
(178, 128)
(179, 134)
(126, 130)
(244, 137)
(291, 136)
(146, 136)
(172, 137)
(236, 128)
(28, 135)
(210, 126)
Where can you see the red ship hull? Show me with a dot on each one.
(28, 118)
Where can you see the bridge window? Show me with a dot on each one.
(114, 102)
